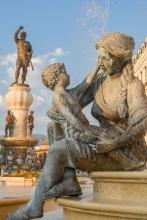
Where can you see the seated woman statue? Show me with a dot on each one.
(123, 118)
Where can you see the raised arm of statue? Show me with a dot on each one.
(16, 33)
(84, 92)
(91, 76)
(84, 96)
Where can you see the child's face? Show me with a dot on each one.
(64, 79)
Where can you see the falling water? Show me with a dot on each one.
(95, 17)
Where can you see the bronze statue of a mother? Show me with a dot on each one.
(120, 106)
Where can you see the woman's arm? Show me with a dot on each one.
(88, 81)
(83, 96)
(82, 87)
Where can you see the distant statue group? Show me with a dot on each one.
(10, 162)
(119, 104)
(10, 124)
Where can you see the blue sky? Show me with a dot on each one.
(62, 31)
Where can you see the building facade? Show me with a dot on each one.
(140, 63)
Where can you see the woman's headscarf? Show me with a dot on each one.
(117, 44)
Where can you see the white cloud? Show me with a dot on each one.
(37, 60)
(4, 82)
(37, 101)
(3, 105)
(52, 60)
(11, 72)
(1, 99)
(59, 52)
(9, 59)
(43, 119)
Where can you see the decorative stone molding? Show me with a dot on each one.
(116, 196)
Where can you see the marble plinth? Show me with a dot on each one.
(130, 186)
(116, 196)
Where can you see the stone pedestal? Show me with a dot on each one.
(19, 99)
(116, 196)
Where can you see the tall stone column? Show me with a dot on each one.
(19, 99)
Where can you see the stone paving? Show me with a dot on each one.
(15, 191)
(56, 215)
(18, 191)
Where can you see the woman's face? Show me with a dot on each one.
(107, 62)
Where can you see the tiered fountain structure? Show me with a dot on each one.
(19, 99)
